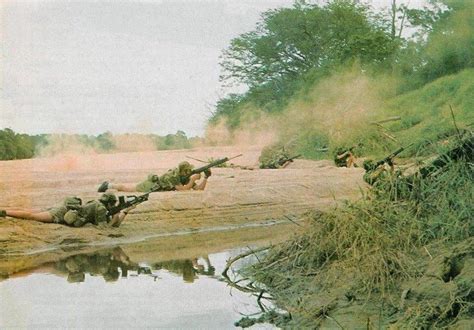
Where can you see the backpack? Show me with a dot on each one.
(72, 203)
(72, 217)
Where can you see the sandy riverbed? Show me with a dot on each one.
(234, 197)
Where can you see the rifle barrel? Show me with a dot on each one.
(212, 164)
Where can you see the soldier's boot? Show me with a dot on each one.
(103, 187)
(3, 213)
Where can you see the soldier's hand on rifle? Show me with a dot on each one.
(207, 173)
(128, 209)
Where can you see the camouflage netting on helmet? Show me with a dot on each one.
(108, 198)
(185, 168)
(272, 156)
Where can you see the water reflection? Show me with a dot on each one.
(188, 268)
(124, 288)
(170, 282)
(115, 263)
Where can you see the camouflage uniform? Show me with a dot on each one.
(76, 215)
(272, 157)
(376, 173)
(57, 213)
(69, 203)
(168, 181)
(94, 212)
(151, 183)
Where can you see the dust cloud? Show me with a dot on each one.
(258, 132)
(63, 144)
(74, 144)
(133, 142)
(338, 109)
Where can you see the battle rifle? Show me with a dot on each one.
(212, 164)
(287, 159)
(389, 158)
(464, 149)
(126, 202)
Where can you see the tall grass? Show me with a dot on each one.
(367, 248)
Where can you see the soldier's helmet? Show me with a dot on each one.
(185, 168)
(368, 165)
(108, 198)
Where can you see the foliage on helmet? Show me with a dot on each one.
(108, 198)
(185, 168)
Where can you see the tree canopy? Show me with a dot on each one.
(292, 48)
(290, 41)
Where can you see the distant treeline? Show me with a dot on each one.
(18, 146)
(22, 146)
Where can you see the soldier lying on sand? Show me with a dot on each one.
(73, 213)
(179, 178)
(273, 157)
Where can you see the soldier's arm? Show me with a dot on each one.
(344, 154)
(119, 217)
(190, 184)
(203, 183)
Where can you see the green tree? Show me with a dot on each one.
(176, 141)
(15, 146)
(291, 41)
(105, 141)
(445, 43)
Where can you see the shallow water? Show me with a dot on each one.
(108, 289)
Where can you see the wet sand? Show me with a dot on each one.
(234, 198)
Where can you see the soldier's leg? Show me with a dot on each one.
(123, 187)
(24, 209)
(30, 215)
(119, 187)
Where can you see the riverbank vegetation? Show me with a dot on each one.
(403, 256)
(320, 77)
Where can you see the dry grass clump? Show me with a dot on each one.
(365, 250)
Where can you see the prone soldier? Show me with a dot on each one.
(73, 213)
(273, 157)
(180, 178)
(374, 171)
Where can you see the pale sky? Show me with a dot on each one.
(119, 66)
